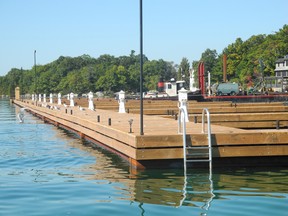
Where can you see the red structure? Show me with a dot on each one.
(161, 85)
(201, 77)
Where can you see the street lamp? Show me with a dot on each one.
(141, 71)
(35, 72)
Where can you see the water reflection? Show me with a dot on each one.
(170, 187)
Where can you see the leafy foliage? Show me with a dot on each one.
(84, 73)
(247, 60)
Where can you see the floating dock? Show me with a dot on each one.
(162, 145)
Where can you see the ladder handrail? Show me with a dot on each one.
(181, 110)
(206, 111)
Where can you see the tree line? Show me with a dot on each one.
(246, 61)
(249, 60)
(84, 74)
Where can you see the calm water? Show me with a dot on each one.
(49, 171)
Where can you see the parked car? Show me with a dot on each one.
(162, 94)
(151, 95)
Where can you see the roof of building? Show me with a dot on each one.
(282, 59)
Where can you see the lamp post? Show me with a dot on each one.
(141, 71)
(35, 72)
(21, 80)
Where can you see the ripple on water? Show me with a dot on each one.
(47, 171)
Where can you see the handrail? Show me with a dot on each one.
(181, 110)
(205, 110)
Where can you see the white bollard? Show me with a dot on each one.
(59, 99)
(33, 97)
(121, 102)
(40, 98)
(71, 99)
(90, 100)
(51, 98)
(44, 98)
(182, 98)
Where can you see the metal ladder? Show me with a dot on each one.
(207, 204)
(196, 153)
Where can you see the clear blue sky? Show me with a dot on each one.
(172, 29)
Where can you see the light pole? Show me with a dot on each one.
(141, 71)
(35, 72)
(21, 80)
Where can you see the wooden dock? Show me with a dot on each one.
(161, 143)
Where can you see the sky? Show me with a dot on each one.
(172, 29)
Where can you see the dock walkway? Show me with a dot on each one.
(161, 142)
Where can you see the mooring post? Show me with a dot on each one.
(130, 124)
(59, 99)
(72, 99)
(109, 121)
(51, 98)
(277, 124)
(90, 103)
(121, 101)
(98, 118)
(182, 101)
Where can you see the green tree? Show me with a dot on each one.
(210, 57)
(183, 71)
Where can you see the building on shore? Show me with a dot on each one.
(281, 68)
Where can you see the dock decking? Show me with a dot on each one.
(161, 142)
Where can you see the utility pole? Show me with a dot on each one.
(35, 72)
(141, 71)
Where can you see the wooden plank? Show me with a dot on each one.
(259, 109)
(159, 141)
(222, 151)
(255, 124)
(244, 117)
(156, 154)
(251, 151)
(248, 138)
